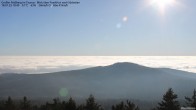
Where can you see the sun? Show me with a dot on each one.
(162, 4)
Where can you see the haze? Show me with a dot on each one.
(44, 64)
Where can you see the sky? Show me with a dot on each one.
(100, 28)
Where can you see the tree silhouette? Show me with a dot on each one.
(25, 104)
(120, 106)
(9, 104)
(45, 107)
(56, 104)
(128, 106)
(191, 102)
(81, 107)
(91, 104)
(35, 107)
(70, 105)
(169, 101)
(1, 105)
(131, 106)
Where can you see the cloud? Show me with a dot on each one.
(44, 64)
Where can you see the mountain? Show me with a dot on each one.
(117, 81)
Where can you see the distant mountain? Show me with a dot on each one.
(117, 81)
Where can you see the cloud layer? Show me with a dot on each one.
(44, 64)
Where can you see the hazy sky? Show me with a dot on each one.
(100, 27)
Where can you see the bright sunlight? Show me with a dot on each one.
(162, 4)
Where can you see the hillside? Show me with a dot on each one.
(120, 80)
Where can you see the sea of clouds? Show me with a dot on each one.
(46, 64)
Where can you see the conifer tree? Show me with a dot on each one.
(169, 101)
(56, 104)
(120, 106)
(71, 105)
(9, 104)
(25, 104)
(91, 104)
(191, 102)
(128, 106)
(131, 106)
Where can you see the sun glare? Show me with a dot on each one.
(162, 4)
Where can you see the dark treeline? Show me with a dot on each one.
(168, 102)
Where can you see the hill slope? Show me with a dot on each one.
(120, 80)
